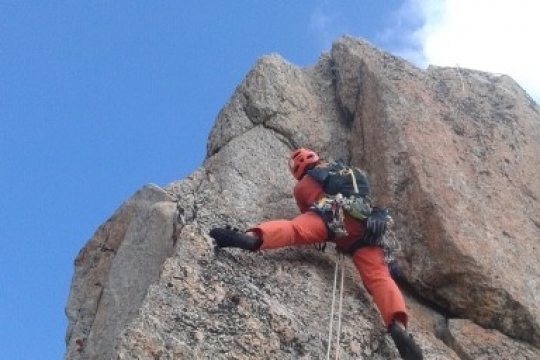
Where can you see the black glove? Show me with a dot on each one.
(376, 226)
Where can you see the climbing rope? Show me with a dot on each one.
(329, 347)
(340, 311)
(339, 261)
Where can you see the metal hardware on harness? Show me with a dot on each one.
(357, 207)
(390, 244)
(330, 208)
(387, 241)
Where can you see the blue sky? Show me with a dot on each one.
(98, 98)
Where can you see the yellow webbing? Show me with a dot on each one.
(350, 171)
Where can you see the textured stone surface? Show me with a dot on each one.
(452, 152)
(113, 272)
(472, 342)
(455, 154)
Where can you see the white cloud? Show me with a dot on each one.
(495, 36)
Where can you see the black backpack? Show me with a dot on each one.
(351, 182)
(351, 186)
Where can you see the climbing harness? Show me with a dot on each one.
(339, 261)
(330, 208)
(377, 232)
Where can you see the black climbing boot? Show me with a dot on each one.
(227, 237)
(405, 344)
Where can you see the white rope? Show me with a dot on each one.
(339, 260)
(332, 312)
(338, 347)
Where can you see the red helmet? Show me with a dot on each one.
(300, 160)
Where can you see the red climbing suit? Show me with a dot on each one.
(309, 228)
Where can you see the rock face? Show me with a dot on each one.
(453, 152)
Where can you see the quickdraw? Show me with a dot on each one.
(330, 208)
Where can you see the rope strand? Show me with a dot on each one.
(339, 261)
(338, 347)
(332, 312)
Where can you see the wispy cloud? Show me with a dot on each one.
(495, 36)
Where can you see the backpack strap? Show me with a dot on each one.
(350, 172)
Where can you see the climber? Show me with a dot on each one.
(310, 227)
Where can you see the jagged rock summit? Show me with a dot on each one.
(453, 152)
